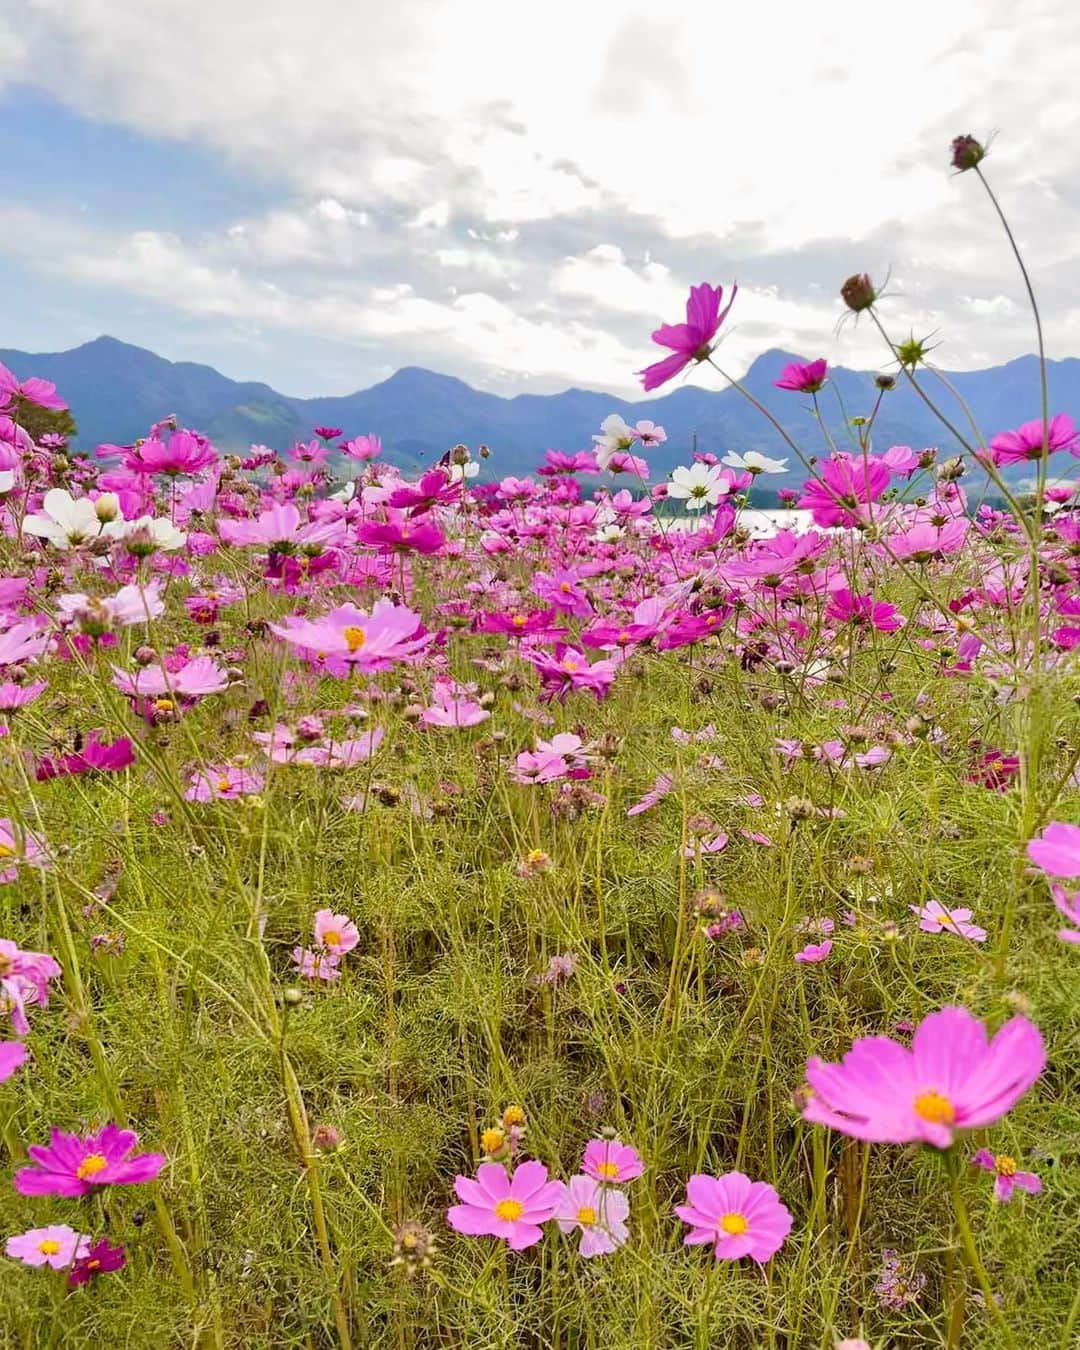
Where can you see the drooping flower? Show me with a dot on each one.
(96, 756)
(317, 965)
(611, 1161)
(600, 1212)
(899, 1283)
(56, 1246)
(101, 1257)
(1007, 1176)
(936, 918)
(738, 1216)
(498, 1205)
(812, 953)
(34, 390)
(953, 1078)
(688, 341)
(70, 1165)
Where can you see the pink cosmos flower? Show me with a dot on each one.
(1006, 1175)
(71, 1166)
(688, 341)
(1057, 850)
(847, 484)
(365, 642)
(18, 846)
(953, 1078)
(612, 1162)
(503, 1206)
(1068, 902)
(738, 1216)
(335, 932)
(406, 537)
(569, 669)
(1026, 442)
(280, 530)
(13, 1055)
(184, 453)
(659, 790)
(861, 610)
(543, 766)
(362, 447)
(223, 782)
(812, 953)
(598, 1211)
(34, 390)
(22, 642)
(195, 679)
(14, 696)
(56, 1246)
(803, 379)
(937, 919)
(96, 756)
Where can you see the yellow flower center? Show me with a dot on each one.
(492, 1140)
(509, 1210)
(535, 856)
(49, 1247)
(1005, 1166)
(586, 1215)
(734, 1224)
(6, 851)
(519, 620)
(565, 587)
(93, 1264)
(935, 1108)
(90, 1166)
(164, 705)
(354, 637)
(223, 785)
(513, 1115)
(608, 1170)
(624, 636)
(331, 938)
(570, 665)
(945, 920)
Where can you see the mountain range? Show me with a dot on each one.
(117, 390)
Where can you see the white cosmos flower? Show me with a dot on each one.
(616, 435)
(7, 481)
(459, 472)
(66, 520)
(699, 485)
(162, 532)
(755, 463)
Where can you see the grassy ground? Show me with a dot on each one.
(200, 1035)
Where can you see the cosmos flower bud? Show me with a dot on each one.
(413, 1247)
(951, 469)
(107, 507)
(885, 383)
(326, 1138)
(966, 153)
(459, 455)
(144, 655)
(799, 808)
(858, 292)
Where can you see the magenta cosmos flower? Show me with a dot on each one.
(503, 1206)
(71, 1166)
(1007, 1177)
(56, 1246)
(1026, 442)
(814, 952)
(100, 1258)
(847, 484)
(598, 1211)
(803, 379)
(935, 918)
(1057, 850)
(34, 390)
(183, 453)
(738, 1216)
(611, 1161)
(688, 341)
(953, 1078)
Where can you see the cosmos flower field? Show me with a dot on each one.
(461, 910)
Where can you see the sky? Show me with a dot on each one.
(315, 195)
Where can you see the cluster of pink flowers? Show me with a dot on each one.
(335, 935)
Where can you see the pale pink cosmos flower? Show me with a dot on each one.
(739, 1217)
(22, 642)
(366, 642)
(223, 782)
(1007, 1177)
(196, 679)
(600, 1213)
(937, 919)
(507, 1207)
(1068, 902)
(322, 965)
(953, 1078)
(611, 1161)
(18, 845)
(57, 1246)
(13, 1054)
(335, 933)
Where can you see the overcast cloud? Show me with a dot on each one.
(317, 194)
